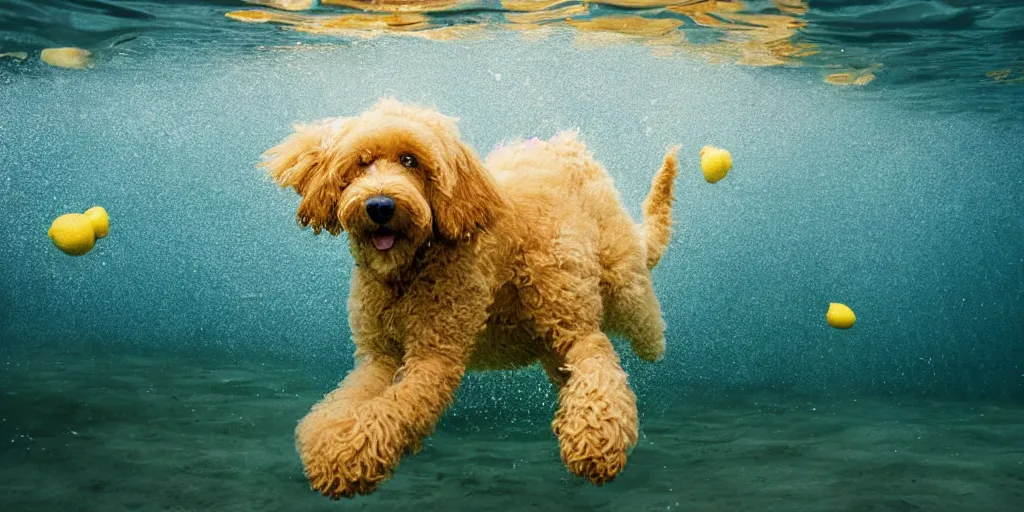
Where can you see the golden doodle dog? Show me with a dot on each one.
(466, 265)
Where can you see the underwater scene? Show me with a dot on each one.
(617, 255)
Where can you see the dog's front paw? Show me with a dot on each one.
(339, 457)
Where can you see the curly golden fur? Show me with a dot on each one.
(526, 258)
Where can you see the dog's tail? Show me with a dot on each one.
(658, 209)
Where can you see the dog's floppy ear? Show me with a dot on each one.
(465, 199)
(303, 162)
(469, 199)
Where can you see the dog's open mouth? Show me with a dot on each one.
(382, 239)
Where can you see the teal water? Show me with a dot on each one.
(903, 198)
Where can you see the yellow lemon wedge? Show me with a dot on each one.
(76, 233)
(70, 58)
(14, 55)
(840, 316)
(73, 233)
(100, 220)
(715, 163)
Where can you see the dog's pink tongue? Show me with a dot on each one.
(383, 242)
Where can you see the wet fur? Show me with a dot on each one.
(526, 258)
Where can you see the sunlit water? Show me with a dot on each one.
(878, 156)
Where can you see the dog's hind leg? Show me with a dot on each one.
(631, 307)
(633, 311)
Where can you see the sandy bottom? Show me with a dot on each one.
(106, 431)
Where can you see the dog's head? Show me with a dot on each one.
(394, 178)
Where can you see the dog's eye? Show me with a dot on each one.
(408, 161)
(364, 160)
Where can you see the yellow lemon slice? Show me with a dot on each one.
(840, 316)
(71, 58)
(73, 233)
(715, 163)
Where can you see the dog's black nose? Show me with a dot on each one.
(380, 209)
